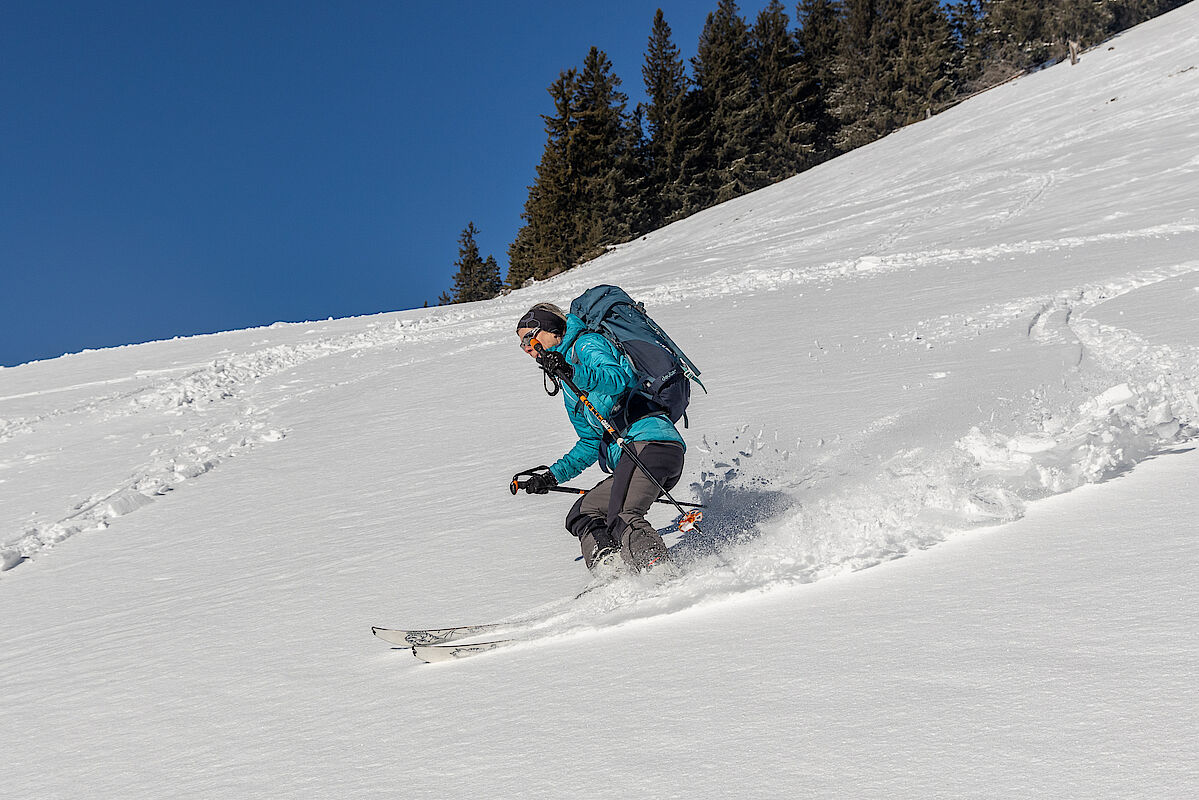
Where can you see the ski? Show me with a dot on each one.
(434, 636)
(437, 653)
(446, 644)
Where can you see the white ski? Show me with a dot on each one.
(433, 636)
(436, 653)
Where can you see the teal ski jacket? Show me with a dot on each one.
(604, 375)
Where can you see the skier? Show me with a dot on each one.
(609, 520)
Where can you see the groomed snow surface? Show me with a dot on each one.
(948, 457)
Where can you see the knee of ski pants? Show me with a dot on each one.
(590, 511)
(637, 491)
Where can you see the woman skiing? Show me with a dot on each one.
(609, 520)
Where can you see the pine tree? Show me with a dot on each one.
(722, 74)
(819, 38)
(1083, 21)
(665, 76)
(1015, 33)
(862, 72)
(490, 281)
(784, 97)
(545, 243)
(924, 60)
(638, 207)
(999, 38)
(966, 21)
(1020, 34)
(1126, 13)
(602, 170)
(586, 193)
(475, 279)
(895, 66)
(764, 103)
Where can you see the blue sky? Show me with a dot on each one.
(170, 168)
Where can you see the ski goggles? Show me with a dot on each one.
(527, 339)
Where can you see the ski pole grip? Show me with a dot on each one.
(517, 484)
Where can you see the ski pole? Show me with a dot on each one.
(690, 518)
(517, 485)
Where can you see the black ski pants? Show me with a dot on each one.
(613, 513)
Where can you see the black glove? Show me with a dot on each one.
(555, 364)
(541, 483)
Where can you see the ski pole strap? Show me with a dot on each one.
(517, 484)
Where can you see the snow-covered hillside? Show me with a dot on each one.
(966, 357)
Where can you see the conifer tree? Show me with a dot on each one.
(638, 207)
(491, 281)
(1016, 35)
(1083, 21)
(722, 74)
(522, 253)
(896, 66)
(966, 21)
(819, 37)
(1020, 34)
(544, 244)
(924, 60)
(859, 102)
(764, 103)
(665, 76)
(784, 97)
(1126, 13)
(586, 193)
(475, 279)
(693, 185)
(602, 170)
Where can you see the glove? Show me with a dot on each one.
(555, 363)
(541, 483)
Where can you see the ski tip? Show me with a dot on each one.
(391, 636)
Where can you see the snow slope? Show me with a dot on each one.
(966, 356)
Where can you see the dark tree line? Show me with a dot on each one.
(761, 102)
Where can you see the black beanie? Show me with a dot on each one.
(541, 317)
